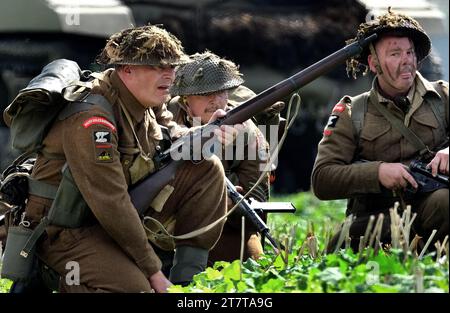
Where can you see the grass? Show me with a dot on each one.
(304, 267)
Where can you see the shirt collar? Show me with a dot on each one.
(421, 85)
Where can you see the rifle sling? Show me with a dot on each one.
(400, 126)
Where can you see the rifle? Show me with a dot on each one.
(143, 192)
(422, 175)
(247, 209)
(426, 181)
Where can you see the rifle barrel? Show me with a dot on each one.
(273, 94)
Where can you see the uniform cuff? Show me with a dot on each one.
(370, 181)
(150, 264)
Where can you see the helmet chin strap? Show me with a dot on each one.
(375, 59)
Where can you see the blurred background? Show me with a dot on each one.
(270, 40)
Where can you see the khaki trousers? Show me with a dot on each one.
(199, 198)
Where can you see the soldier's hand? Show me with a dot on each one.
(395, 176)
(230, 203)
(439, 163)
(159, 282)
(226, 134)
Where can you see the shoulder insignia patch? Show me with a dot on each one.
(332, 120)
(102, 137)
(339, 108)
(103, 155)
(98, 120)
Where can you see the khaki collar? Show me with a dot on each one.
(421, 86)
(133, 106)
(424, 87)
(383, 99)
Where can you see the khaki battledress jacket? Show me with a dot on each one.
(336, 175)
(244, 173)
(100, 154)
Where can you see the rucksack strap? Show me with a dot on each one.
(85, 105)
(439, 110)
(359, 109)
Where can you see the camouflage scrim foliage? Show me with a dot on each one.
(145, 45)
(205, 73)
(391, 23)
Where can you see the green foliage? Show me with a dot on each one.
(341, 272)
(344, 271)
(5, 284)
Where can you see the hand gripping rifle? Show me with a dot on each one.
(425, 179)
(142, 193)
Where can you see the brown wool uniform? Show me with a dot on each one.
(336, 177)
(243, 173)
(113, 252)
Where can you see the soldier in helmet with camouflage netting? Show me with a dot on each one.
(110, 146)
(202, 86)
(403, 117)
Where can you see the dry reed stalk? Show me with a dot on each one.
(344, 232)
(427, 244)
(378, 225)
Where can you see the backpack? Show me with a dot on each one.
(30, 116)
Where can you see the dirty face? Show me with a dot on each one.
(149, 84)
(398, 61)
(203, 106)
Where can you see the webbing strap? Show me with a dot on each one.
(85, 105)
(37, 233)
(41, 189)
(359, 109)
(437, 106)
(400, 126)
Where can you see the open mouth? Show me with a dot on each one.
(407, 75)
(164, 88)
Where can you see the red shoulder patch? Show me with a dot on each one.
(98, 120)
(340, 107)
(327, 132)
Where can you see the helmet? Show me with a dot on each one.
(145, 45)
(205, 73)
(389, 24)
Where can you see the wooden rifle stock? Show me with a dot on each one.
(143, 193)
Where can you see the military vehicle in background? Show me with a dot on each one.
(269, 39)
(273, 39)
(35, 32)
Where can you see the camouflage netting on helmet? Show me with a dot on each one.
(391, 23)
(145, 45)
(206, 73)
